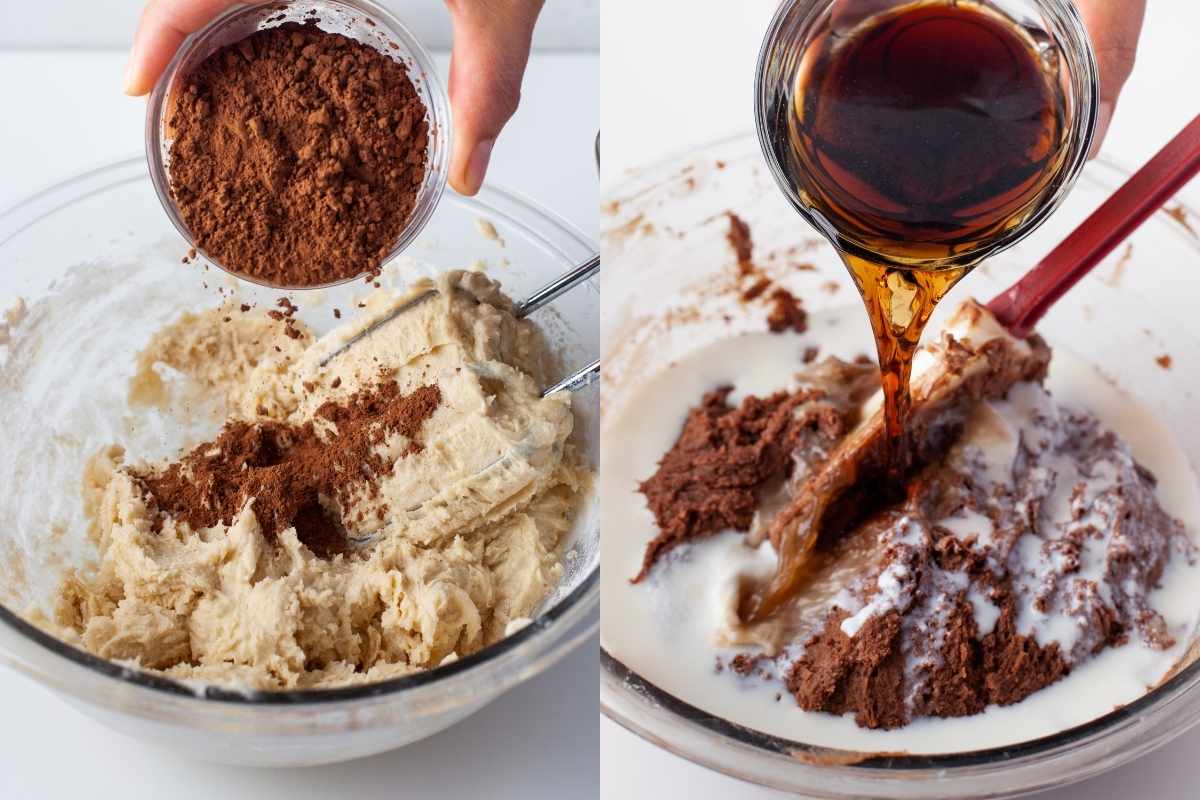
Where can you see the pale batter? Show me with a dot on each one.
(454, 540)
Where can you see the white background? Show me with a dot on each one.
(677, 73)
(564, 24)
(64, 112)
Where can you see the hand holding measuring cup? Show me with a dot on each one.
(491, 48)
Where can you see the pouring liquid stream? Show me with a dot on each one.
(916, 139)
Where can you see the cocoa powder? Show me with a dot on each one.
(287, 469)
(740, 240)
(711, 480)
(865, 675)
(298, 155)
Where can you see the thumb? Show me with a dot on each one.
(163, 27)
(491, 48)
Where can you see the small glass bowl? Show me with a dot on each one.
(361, 20)
(1061, 42)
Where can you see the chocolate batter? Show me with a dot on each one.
(1029, 542)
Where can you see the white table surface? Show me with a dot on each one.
(663, 94)
(66, 113)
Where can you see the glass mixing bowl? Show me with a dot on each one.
(361, 20)
(98, 265)
(666, 259)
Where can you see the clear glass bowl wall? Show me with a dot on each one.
(665, 249)
(102, 241)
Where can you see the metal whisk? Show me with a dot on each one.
(562, 284)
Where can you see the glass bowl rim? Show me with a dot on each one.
(439, 116)
(864, 765)
(558, 619)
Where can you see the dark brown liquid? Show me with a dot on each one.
(928, 130)
(899, 303)
(919, 137)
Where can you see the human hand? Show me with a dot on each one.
(1114, 28)
(491, 49)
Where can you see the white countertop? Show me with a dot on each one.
(65, 114)
(700, 79)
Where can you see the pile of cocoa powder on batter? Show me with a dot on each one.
(288, 469)
(298, 155)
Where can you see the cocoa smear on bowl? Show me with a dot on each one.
(298, 155)
(786, 311)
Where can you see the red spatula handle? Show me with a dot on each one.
(1023, 304)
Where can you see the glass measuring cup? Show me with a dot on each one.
(805, 31)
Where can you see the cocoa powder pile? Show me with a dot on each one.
(866, 674)
(298, 155)
(287, 469)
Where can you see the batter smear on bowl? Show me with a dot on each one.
(399, 506)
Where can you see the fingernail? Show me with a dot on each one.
(128, 78)
(133, 77)
(478, 164)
